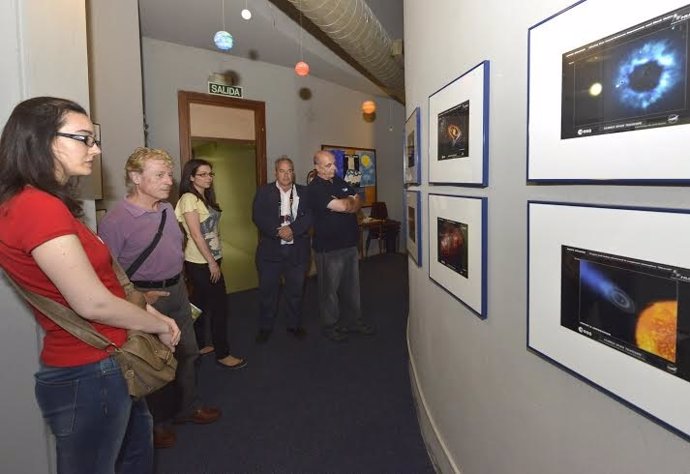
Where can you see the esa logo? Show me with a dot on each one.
(582, 330)
(584, 131)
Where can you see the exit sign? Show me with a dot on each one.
(217, 88)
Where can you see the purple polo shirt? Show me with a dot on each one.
(128, 229)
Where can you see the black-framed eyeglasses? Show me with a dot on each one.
(87, 140)
(203, 175)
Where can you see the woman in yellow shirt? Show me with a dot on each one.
(199, 214)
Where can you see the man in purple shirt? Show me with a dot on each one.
(142, 233)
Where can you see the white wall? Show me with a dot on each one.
(43, 46)
(487, 404)
(293, 126)
(116, 88)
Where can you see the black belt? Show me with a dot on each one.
(157, 284)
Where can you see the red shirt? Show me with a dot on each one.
(28, 220)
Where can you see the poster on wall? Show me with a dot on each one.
(357, 167)
(413, 203)
(606, 102)
(411, 159)
(614, 311)
(459, 130)
(457, 248)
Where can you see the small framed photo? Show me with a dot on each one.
(610, 102)
(609, 301)
(457, 248)
(412, 172)
(459, 130)
(413, 201)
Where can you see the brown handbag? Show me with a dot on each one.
(146, 363)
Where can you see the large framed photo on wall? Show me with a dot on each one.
(412, 172)
(457, 248)
(357, 167)
(413, 201)
(459, 130)
(609, 301)
(610, 102)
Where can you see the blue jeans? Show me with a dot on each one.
(98, 427)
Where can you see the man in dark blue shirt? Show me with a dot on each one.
(334, 207)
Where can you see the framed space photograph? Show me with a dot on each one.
(609, 301)
(413, 204)
(412, 172)
(610, 102)
(357, 166)
(459, 130)
(457, 248)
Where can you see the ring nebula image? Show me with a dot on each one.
(648, 73)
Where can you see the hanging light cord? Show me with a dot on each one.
(301, 30)
(222, 3)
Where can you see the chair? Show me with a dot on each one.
(385, 231)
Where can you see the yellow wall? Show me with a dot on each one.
(235, 185)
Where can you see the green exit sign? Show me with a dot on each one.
(224, 89)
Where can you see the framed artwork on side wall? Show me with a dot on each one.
(413, 200)
(457, 248)
(609, 301)
(610, 102)
(357, 166)
(412, 173)
(459, 130)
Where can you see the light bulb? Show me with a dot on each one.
(223, 40)
(302, 68)
(368, 106)
(246, 14)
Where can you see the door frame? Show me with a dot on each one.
(185, 98)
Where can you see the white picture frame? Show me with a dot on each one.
(459, 130)
(599, 123)
(412, 165)
(590, 264)
(413, 214)
(457, 248)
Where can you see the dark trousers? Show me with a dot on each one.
(270, 273)
(213, 301)
(179, 398)
(337, 274)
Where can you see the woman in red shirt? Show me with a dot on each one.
(46, 249)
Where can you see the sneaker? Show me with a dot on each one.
(364, 329)
(335, 333)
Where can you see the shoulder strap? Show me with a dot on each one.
(64, 317)
(147, 251)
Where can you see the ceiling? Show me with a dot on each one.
(271, 35)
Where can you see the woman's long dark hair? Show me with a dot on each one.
(186, 186)
(26, 150)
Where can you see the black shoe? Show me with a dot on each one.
(364, 329)
(263, 336)
(298, 332)
(335, 333)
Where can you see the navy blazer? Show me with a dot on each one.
(266, 216)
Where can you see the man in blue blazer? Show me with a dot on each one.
(281, 212)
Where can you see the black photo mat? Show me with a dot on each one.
(454, 132)
(452, 245)
(637, 307)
